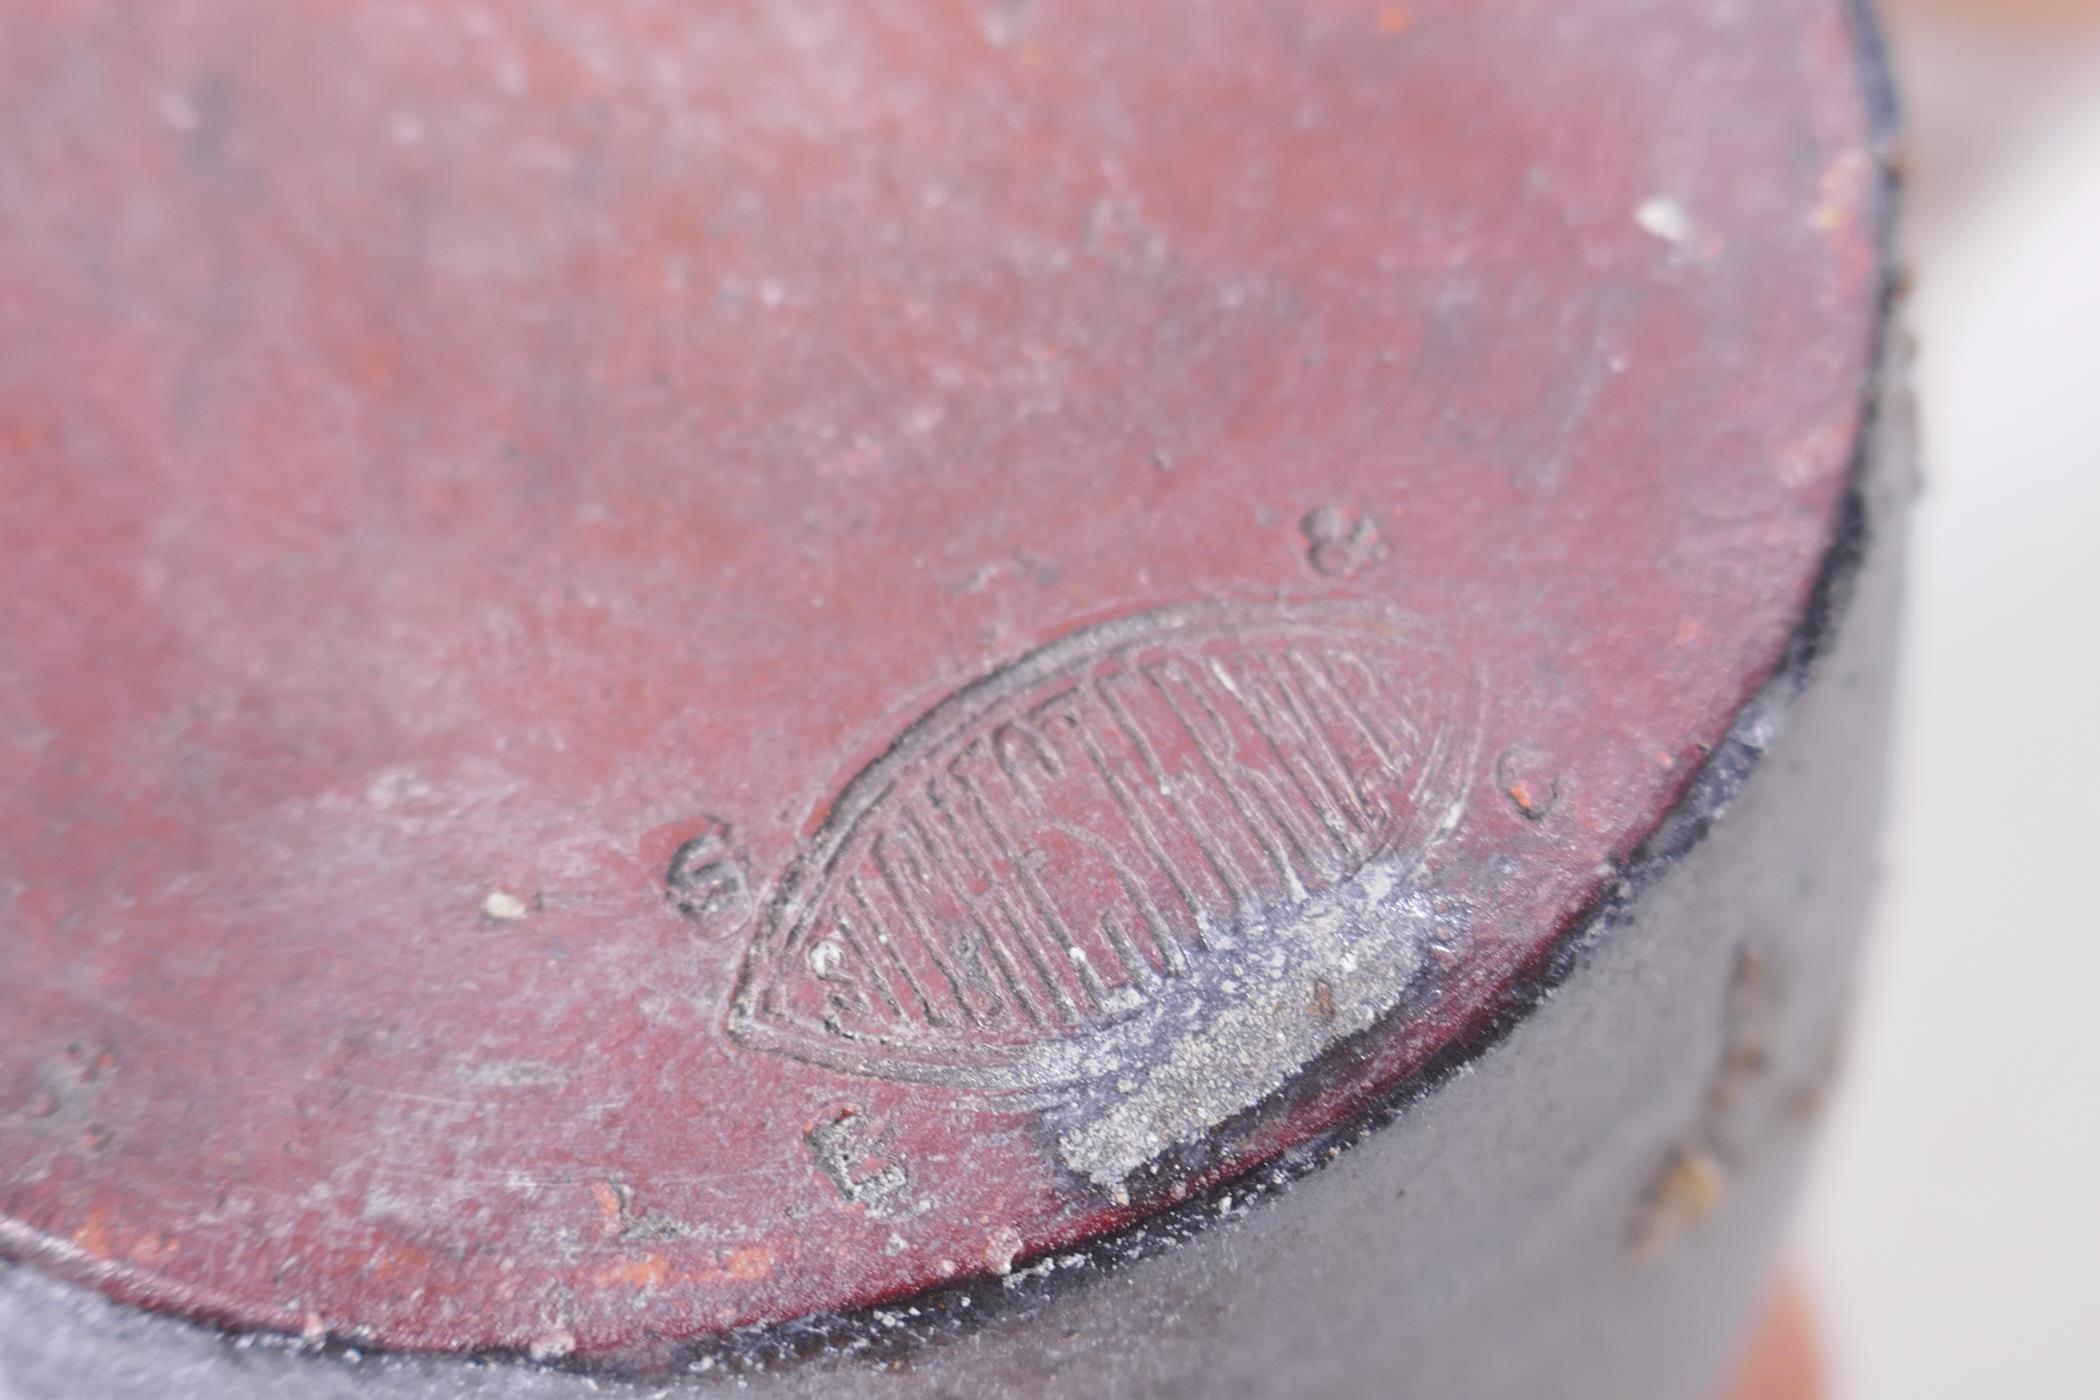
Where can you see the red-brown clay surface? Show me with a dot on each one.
(465, 466)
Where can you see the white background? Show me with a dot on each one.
(1952, 1232)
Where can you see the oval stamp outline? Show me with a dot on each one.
(1176, 986)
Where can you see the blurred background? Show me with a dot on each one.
(1952, 1233)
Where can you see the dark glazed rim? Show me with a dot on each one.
(899, 1327)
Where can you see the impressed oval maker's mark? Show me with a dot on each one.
(1144, 873)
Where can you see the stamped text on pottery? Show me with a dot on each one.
(1099, 859)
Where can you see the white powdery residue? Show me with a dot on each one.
(1337, 968)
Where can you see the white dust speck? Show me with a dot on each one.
(1000, 1249)
(1665, 218)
